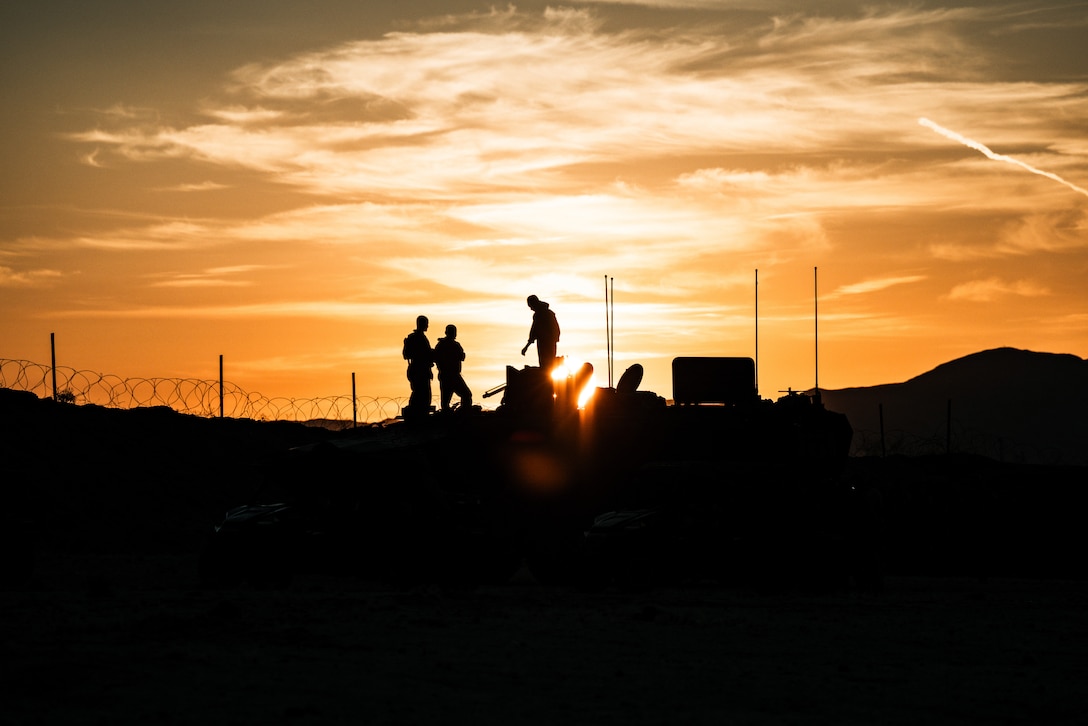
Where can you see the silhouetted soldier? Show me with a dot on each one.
(417, 351)
(544, 332)
(448, 355)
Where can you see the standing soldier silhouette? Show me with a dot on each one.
(417, 351)
(544, 332)
(448, 355)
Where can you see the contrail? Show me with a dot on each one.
(997, 157)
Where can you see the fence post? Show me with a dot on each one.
(883, 450)
(948, 429)
(53, 355)
(354, 405)
(220, 385)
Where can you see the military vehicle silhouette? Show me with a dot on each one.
(630, 489)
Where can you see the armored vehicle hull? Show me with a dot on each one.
(626, 488)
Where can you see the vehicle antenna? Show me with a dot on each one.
(757, 331)
(607, 333)
(816, 326)
(612, 298)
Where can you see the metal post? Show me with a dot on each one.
(220, 385)
(607, 334)
(53, 354)
(883, 450)
(354, 406)
(612, 325)
(948, 434)
(816, 327)
(757, 331)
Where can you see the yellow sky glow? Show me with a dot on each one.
(293, 200)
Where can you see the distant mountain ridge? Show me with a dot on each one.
(1006, 403)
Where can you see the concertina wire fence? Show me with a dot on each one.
(192, 396)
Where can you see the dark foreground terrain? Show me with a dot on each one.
(133, 640)
(983, 617)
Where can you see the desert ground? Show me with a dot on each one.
(122, 639)
(982, 618)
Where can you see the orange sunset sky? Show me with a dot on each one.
(289, 184)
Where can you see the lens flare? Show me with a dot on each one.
(583, 375)
(586, 394)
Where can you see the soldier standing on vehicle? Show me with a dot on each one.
(544, 332)
(448, 356)
(417, 351)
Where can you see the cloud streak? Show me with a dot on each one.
(982, 291)
(985, 151)
(869, 286)
(10, 277)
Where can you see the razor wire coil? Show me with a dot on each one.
(191, 396)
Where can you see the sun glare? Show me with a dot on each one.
(567, 377)
(561, 372)
(587, 392)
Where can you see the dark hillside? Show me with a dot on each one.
(1007, 404)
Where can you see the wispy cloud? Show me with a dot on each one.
(170, 235)
(304, 309)
(206, 186)
(1059, 231)
(213, 277)
(521, 128)
(868, 286)
(992, 288)
(477, 111)
(91, 159)
(10, 277)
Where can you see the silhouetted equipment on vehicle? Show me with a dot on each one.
(728, 381)
(626, 489)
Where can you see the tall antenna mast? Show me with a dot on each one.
(607, 333)
(757, 331)
(612, 326)
(816, 325)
